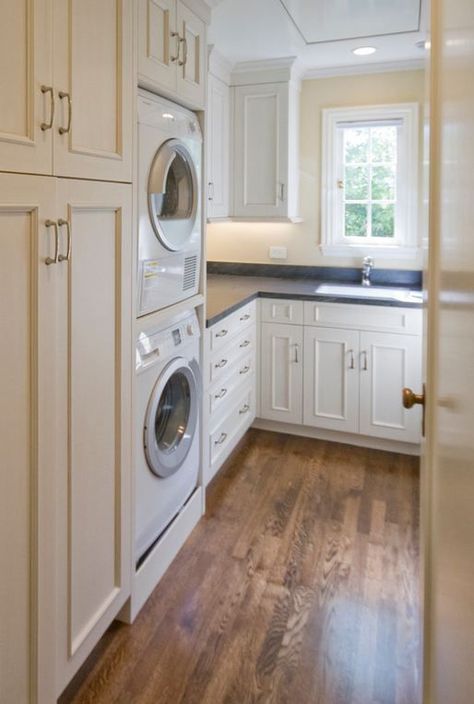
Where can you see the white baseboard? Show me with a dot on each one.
(305, 431)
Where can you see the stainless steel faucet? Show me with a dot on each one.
(367, 266)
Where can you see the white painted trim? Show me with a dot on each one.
(364, 69)
(201, 8)
(361, 251)
(282, 70)
(219, 66)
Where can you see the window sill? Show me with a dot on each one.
(354, 250)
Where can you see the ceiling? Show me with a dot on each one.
(321, 33)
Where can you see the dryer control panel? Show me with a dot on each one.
(159, 345)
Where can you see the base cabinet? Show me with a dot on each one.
(281, 372)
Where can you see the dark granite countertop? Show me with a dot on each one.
(226, 293)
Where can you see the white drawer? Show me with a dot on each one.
(222, 394)
(233, 324)
(356, 317)
(223, 359)
(232, 425)
(281, 310)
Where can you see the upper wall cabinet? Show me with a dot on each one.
(218, 138)
(70, 115)
(172, 49)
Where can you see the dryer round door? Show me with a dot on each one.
(172, 195)
(171, 418)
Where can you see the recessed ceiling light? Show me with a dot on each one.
(168, 116)
(364, 50)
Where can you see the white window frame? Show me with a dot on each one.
(407, 239)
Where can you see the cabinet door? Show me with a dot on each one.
(261, 150)
(94, 81)
(388, 363)
(27, 439)
(218, 144)
(158, 44)
(331, 379)
(26, 97)
(93, 428)
(192, 68)
(281, 375)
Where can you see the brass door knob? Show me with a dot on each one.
(411, 399)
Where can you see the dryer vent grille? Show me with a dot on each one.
(190, 272)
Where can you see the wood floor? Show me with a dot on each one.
(300, 586)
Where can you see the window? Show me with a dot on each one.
(370, 181)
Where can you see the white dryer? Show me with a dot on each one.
(169, 203)
(167, 426)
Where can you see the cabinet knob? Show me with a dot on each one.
(411, 399)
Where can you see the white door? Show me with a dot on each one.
(261, 150)
(331, 379)
(27, 438)
(388, 363)
(26, 86)
(449, 460)
(218, 145)
(93, 425)
(94, 89)
(281, 372)
(192, 68)
(158, 44)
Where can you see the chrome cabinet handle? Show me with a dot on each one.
(221, 364)
(244, 409)
(53, 260)
(351, 352)
(245, 370)
(184, 60)
(221, 439)
(245, 344)
(62, 94)
(365, 361)
(221, 394)
(281, 191)
(297, 357)
(48, 125)
(175, 35)
(66, 257)
(245, 317)
(222, 333)
(210, 190)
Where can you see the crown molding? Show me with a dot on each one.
(365, 69)
(281, 70)
(219, 66)
(202, 8)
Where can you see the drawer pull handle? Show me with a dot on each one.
(222, 333)
(221, 364)
(245, 370)
(297, 358)
(351, 366)
(245, 344)
(221, 439)
(365, 365)
(245, 317)
(221, 394)
(244, 409)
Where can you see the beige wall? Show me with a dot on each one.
(249, 242)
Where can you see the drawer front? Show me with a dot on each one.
(223, 393)
(223, 359)
(239, 417)
(280, 310)
(355, 317)
(233, 324)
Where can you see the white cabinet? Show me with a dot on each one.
(265, 177)
(331, 379)
(218, 146)
(172, 50)
(281, 372)
(388, 363)
(69, 111)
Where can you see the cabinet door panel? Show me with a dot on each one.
(218, 148)
(261, 150)
(393, 361)
(157, 48)
(93, 67)
(27, 330)
(25, 66)
(192, 72)
(331, 389)
(281, 375)
(96, 319)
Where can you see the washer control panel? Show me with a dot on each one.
(159, 345)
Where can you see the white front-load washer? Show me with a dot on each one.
(169, 203)
(167, 426)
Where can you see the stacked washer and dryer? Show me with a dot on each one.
(168, 378)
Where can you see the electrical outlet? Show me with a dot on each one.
(278, 253)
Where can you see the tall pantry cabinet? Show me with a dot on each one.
(66, 116)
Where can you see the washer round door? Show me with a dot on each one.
(172, 195)
(171, 419)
